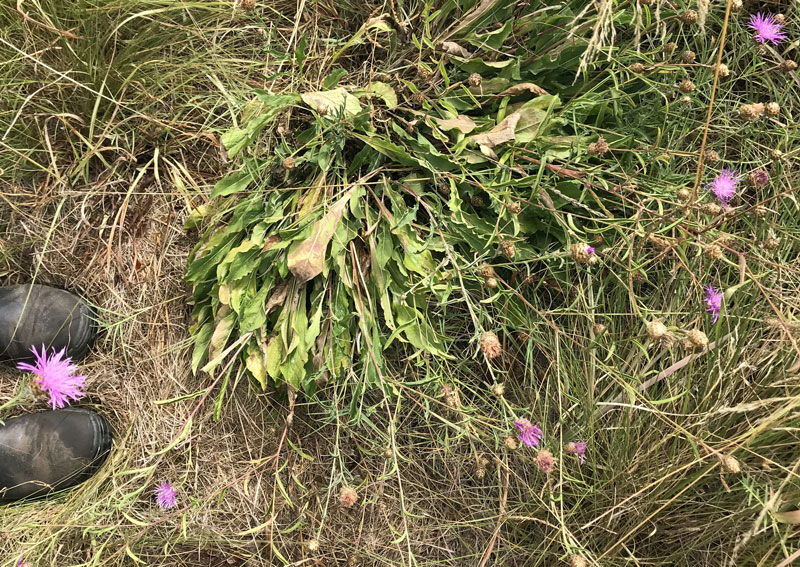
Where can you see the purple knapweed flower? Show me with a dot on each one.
(528, 433)
(56, 376)
(590, 250)
(166, 496)
(713, 302)
(766, 28)
(577, 448)
(724, 185)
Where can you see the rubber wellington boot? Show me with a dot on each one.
(52, 450)
(33, 315)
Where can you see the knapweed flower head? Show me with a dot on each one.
(724, 185)
(713, 302)
(766, 28)
(528, 433)
(56, 376)
(166, 496)
(577, 448)
(545, 461)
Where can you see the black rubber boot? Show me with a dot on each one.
(51, 450)
(36, 315)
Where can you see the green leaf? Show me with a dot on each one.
(333, 102)
(202, 337)
(255, 363)
(385, 92)
(237, 139)
(274, 357)
(333, 78)
(233, 183)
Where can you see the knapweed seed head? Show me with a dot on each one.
(690, 17)
(729, 464)
(776, 154)
(736, 6)
(684, 194)
(312, 545)
(476, 200)
(760, 211)
(528, 433)
(545, 461)
(686, 100)
(348, 496)
(751, 112)
(486, 271)
(490, 345)
(758, 178)
(710, 209)
(637, 68)
(599, 147)
(713, 301)
(724, 185)
(499, 389)
(656, 330)
(581, 252)
(766, 28)
(788, 66)
(772, 109)
(475, 80)
(507, 248)
(710, 157)
(511, 443)
(713, 252)
(688, 56)
(56, 376)
(491, 283)
(289, 163)
(514, 207)
(417, 98)
(697, 338)
(166, 496)
(246, 4)
(724, 72)
(670, 48)
(577, 561)
(598, 328)
(771, 243)
(686, 86)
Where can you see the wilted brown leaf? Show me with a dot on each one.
(501, 133)
(452, 48)
(278, 296)
(524, 87)
(307, 258)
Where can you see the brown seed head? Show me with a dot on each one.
(710, 157)
(688, 57)
(758, 178)
(507, 248)
(490, 345)
(289, 163)
(514, 207)
(312, 545)
(637, 68)
(713, 252)
(476, 200)
(491, 283)
(598, 328)
(686, 100)
(787, 66)
(776, 154)
(246, 4)
(697, 338)
(499, 389)
(772, 108)
(684, 194)
(670, 48)
(322, 109)
(417, 98)
(599, 147)
(736, 6)
(760, 211)
(710, 208)
(545, 462)
(423, 73)
(486, 271)
(771, 243)
(577, 560)
(724, 72)
(388, 453)
(475, 80)
(751, 112)
(730, 464)
(348, 496)
(511, 443)
(656, 330)
(780, 18)
(690, 17)
(580, 252)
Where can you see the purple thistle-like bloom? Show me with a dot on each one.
(528, 433)
(56, 376)
(577, 448)
(766, 28)
(713, 302)
(724, 185)
(590, 250)
(166, 496)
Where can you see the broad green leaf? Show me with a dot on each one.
(274, 357)
(237, 139)
(385, 92)
(233, 183)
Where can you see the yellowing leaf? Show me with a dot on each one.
(461, 123)
(331, 102)
(255, 364)
(307, 258)
(791, 517)
(221, 332)
(385, 92)
(274, 357)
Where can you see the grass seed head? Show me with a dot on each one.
(490, 345)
